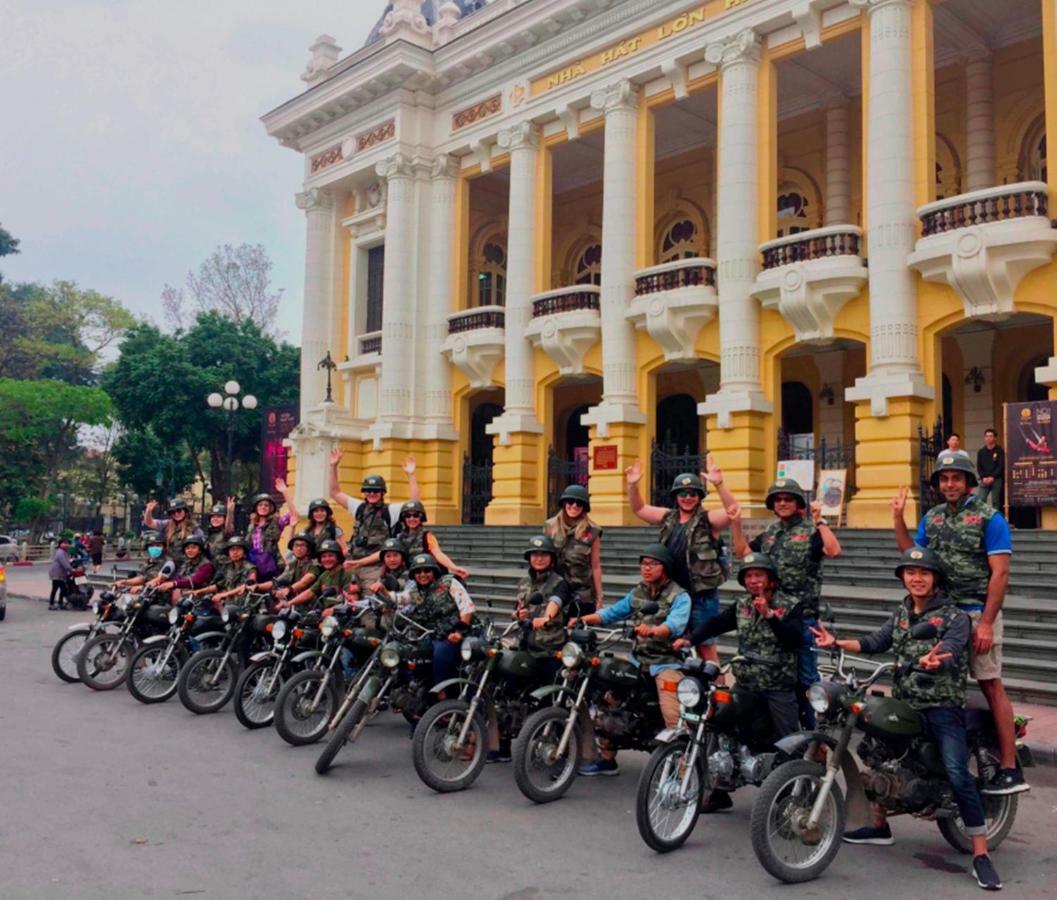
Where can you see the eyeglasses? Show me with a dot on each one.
(684, 494)
(574, 503)
(412, 515)
(784, 498)
(372, 491)
(649, 563)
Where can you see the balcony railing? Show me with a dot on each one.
(819, 243)
(371, 343)
(567, 299)
(692, 272)
(474, 319)
(1011, 201)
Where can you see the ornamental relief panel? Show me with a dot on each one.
(372, 137)
(478, 111)
(327, 158)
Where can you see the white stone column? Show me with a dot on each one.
(891, 213)
(519, 413)
(838, 181)
(737, 248)
(398, 288)
(619, 104)
(318, 205)
(979, 124)
(435, 386)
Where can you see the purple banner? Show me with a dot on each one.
(276, 423)
(1031, 453)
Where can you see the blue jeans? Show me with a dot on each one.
(702, 608)
(445, 661)
(946, 725)
(807, 672)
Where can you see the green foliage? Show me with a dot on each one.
(29, 508)
(149, 467)
(8, 243)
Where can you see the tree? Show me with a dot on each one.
(8, 243)
(233, 282)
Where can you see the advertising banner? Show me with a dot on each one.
(276, 423)
(1031, 453)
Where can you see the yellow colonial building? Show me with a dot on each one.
(546, 238)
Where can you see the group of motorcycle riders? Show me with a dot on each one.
(954, 571)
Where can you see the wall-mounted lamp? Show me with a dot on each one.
(827, 394)
(975, 377)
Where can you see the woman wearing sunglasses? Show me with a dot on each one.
(578, 541)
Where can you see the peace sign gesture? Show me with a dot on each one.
(824, 640)
(933, 659)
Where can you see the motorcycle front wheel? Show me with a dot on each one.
(207, 683)
(254, 702)
(148, 680)
(103, 662)
(295, 721)
(65, 653)
(784, 844)
(1000, 812)
(540, 774)
(665, 814)
(345, 731)
(439, 762)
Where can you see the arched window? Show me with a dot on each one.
(948, 169)
(491, 275)
(793, 213)
(798, 408)
(588, 268)
(681, 240)
(1035, 168)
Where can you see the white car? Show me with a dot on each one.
(9, 550)
(3, 592)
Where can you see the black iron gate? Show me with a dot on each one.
(667, 461)
(930, 445)
(827, 455)
(561, 473)
(476, 490)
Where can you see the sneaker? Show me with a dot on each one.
(497, 756)
(882, 836)
(600, 767)
(985, 874)
(1006, 781)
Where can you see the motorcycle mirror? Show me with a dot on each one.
(924, 631)
(167, 569)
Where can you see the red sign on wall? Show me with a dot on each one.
(605, 457)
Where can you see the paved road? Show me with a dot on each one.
(103, 797)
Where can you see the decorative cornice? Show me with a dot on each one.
(621, 95)
(327, 158)
(314, 199)
(444, 166)
(743, 47)
(520, 136)
(395, 166)
(872, 6)
(482, 110)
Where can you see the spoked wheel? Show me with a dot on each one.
(669, 796)
(541, 774)
(785, 844)
(207, 682)
(64, 656)
(1000, 810)
(344, 732)
(439, 761)
(103, 662)
(149, 679)
(255, 694)
(295, 720)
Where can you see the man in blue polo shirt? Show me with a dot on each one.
(973, 541)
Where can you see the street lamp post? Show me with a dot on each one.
(230, 402)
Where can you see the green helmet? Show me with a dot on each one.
(194, 539)
(373, 483)
(757, 561)
(393, 545)
(660, 553)
(151, 537)
(424, 561)
(218, 509)
(237, 541)
(319, 503)
(307, 538)
(413, 506)
(178, 503)
(786, 486)
(331, 547)
(262, 498)
(922, 558)
(953, 462)
(542, 544)
(688, 481)
(576, 492)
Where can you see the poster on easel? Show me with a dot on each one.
(832, 486)
(802, 471)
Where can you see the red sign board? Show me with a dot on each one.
(605, 457)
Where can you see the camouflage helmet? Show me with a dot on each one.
(307, 538)
(578, 493)
(413, 506)
(786, 486)
(922, 558)
(319, 503)
(541, 544)
(218, 509)
(331, 547)
(237, 541)
(393, 545)
(262, 498)
(178, 503)
(424, 561)
(149, 537)
(953, 462)
(195, 538)
(756, 560)
(688, 481)
(373, 483)
(660, 553)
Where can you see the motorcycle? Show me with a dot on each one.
(108, 617)
(103, 662)
(617, 696)
(799, 815)
(450, 743)
(155, 666)
(724, 740)
(79, 592)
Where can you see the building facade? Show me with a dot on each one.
(548, 237)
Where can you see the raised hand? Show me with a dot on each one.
(409, 465)
(713, 474)
(231, 504)
(816, 511)
(335, 455)
(933, 659)
(152, 505)
(823, 638)
(633, 473)
(280, 486)
(899, 501)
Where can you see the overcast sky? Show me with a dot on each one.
(130, 140)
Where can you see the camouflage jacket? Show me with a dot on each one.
(704, 554)
(958, 538)
(534, 594)
(792, 545)
(944, 686)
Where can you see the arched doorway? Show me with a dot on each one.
(798, 409)
(568, 454)
(678, 427)
(477, 461)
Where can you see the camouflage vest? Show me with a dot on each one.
(922, 690)
(372, 529)
(270, 535)
(574, 558)
(215, 541)
(415, 541)
(338, 578)
(789, 546)
(328, 531)
(654, 651)
(436, 607)
(768, 665)
(152, 567)
(232, 575)
(958, 538)
(533, 594)
(296, 570)
(703, 552)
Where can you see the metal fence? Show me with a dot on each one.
(666, 462)
(476, 490)
(561, 473)
(930, 444)
(827, 455)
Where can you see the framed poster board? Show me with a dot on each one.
(802, 471)
(832, 487)
(1031, 453)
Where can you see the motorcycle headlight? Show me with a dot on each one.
(329, 626)
(123, 601)
(823, 696)
(279, 629)
(224, 615)
(689, 692)
(571, 655)
(390, 656)
(95, 607)
(466, 649)
(174, 614)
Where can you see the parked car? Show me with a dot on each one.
(3, 592)
(9, 550)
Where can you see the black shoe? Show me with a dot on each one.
(52, 607)
(881, 837)
(1006, 781)
(497, 756)
(716, 801)
(985, 874)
